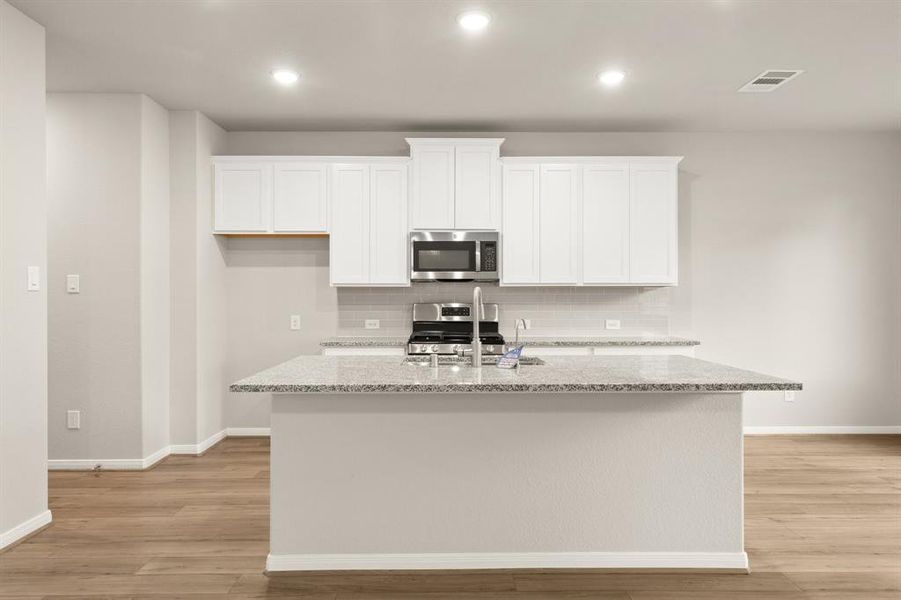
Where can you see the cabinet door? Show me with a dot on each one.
(605, 223)
(558, 223)
(475, 201)
(520, 246)
(653, 223)
(299, 197)
(389, 237)
(433, 187)
(243, 196)
(349, 239)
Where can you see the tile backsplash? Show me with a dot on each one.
(552, 310)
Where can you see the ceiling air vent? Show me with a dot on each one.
(770, 80)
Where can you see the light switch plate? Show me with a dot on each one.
(73, 419)
(789, 395)
(611, 324)
(73, 284)
(34, 279)
(372, 324)
(295, 322)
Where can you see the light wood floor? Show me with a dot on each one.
(823, 520)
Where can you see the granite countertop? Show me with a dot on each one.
(363, 342)
(374, 374)
(542, 341)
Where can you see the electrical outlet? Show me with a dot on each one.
(73, 284)
(73, 419)
(371, 324)
(611, 324)
(789, 395)
(295, 322)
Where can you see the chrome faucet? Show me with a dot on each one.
(478, 307)
(520, 324)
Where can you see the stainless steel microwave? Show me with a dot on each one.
(454, 256)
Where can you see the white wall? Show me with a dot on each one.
(790, 262)
(155, 310)
(198, 283)
(23, 242)
(108, 220)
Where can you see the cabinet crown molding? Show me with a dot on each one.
(657, 160)
(312, 159)
(467, 141)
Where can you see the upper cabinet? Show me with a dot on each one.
(300, 197)
(605, 223)
(243, 197)
(369, 233)
(590, 221)
(455, 183)
(653, 216)
(270, 196)
(567, 221)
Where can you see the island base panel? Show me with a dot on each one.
(515, 480)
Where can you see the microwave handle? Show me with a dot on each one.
(478, 255)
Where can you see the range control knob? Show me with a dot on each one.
(434, 348)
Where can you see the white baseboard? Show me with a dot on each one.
(815, 429)
(11, 536)
(248, 431)
(198, 448)
(109, 464)
(509, 560)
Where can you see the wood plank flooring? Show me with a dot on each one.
(823, 521)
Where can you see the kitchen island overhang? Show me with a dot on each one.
(379, 465)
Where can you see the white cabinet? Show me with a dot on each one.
(388, 232)
(455, 183)
(270, 196)
(433, 186)
(558, 217)
(605, 223)
(590, 221)
(368, 244)
(653, 223)
(300, 193)
(540, 224)
(475, 186)
(519, 248)
(243, 197)
(349, 240)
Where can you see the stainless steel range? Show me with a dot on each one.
(447, 329)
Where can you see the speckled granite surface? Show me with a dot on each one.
(636, 340)
(549, 341)
(363, 342)
(354, 374)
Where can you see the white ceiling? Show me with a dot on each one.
(406, 65)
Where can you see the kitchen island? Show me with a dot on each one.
(581, 462)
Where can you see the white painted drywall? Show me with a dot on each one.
(154, 251)
(183, 276)
(199, 327)
(506, 473)
(108, 218)
(790, 262)
(23, 243)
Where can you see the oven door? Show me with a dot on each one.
(445, 260)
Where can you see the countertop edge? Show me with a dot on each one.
(549, 343)
(518, 388)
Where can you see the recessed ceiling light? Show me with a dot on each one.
(285, 76)
(474, 20)
(611, 78)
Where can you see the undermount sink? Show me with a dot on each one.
(456, 361)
